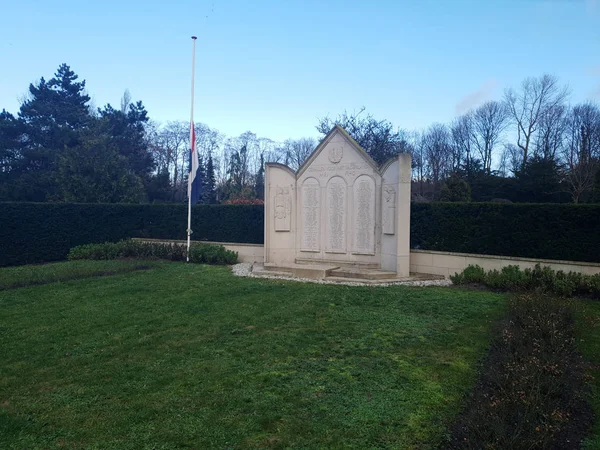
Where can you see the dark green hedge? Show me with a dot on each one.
(42, 232)
(551, 231)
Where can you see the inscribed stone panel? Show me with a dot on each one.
(336, 215)
(311, 215)
(364, 215)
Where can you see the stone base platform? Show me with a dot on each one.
(312, 271)
(339, 274)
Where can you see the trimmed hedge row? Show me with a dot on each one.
(42, 232)
(546, 230)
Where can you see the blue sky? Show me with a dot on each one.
(274, 67)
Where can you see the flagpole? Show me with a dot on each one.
(189, 227)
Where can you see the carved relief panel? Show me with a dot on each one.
(283, 208)
(389, 209)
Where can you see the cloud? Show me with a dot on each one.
(477, 97)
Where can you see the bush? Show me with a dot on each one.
(512, 278)
(199, 253)
(212, 254)
(472, 274)
(531, 390)
(456, 190)
(550, 231)
(43, 232)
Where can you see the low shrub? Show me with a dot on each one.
(512, 278)
(531, 390)
(212, 254)
(472, 274)
(199, 253)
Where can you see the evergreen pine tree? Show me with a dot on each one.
(259, 186)
(53, 117)
(128, 134)
(55, 110)
(211, 191)
(201, 174)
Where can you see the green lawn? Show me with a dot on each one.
(588, 329)
(14, 277)
(188, 356)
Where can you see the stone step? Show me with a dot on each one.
(361, 265)
(312, 271)
(271, 266)
(270, 273)
(363, 274)
(361, 280)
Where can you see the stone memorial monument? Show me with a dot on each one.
(339, 215)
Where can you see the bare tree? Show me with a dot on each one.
(530, 104)
(418, 164)
(125, 101)
(377, 137)
(174, 139)
(272, 151)
(552, 128)
(297, 150)
(208, 140)
(437, 152)
(489, 121)
(268, 149)
(510, 160)
(461, 131)
(582, 149)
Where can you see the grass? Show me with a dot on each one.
(588, 340)
(188, 356)
(20, 276)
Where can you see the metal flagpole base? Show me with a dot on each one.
(189, 233)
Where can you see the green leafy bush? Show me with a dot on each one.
(212, 254)
(531, 389)
(472, 274)
(456, 190)
(199, 253)
(512, 278)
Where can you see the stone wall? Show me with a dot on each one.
(449, 263)
(431, 262)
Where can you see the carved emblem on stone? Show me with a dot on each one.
(388, 193)
(389, 210)
(335, 154)
(283, 209)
